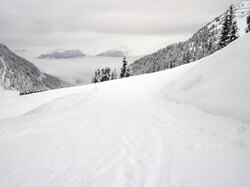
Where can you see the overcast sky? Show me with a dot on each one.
(97, 25)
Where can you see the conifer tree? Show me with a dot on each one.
(233, 33)
(233, 30)
(113, 75)
(96, 78)
(229, 28)
(127, 74)
(248, 24)
(124, 68)
(224, 32)
(104, 74)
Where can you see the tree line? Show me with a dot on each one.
(106, 74)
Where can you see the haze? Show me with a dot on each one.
(95, 26)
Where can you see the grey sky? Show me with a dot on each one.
(95, 25)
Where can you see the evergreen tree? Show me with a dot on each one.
(96, 78)
(104, 74)
(171, 64)
(224, 32)
(248, 24)
(113, 75)
(187, 57)
(124, 68)
(229, 28)
(233, 33)
(233, 29)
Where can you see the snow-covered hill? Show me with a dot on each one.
(201, 44)
(187, 126)
(63, 54)
(16, 73)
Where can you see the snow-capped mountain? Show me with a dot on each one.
(63, 54)
(16, 73)
(201, 44)
(117, 52)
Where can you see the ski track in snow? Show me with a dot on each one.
(123, 133)
(140, 151)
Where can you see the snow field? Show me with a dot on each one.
(161, 129)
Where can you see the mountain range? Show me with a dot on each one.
(63, 54)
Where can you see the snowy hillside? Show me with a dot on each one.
(201, 44)
(16, 73)
(218, 85)
(187, 126)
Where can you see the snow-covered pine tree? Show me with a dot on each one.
(124, 68)
(229, 31)
(224, 31)
(113, 75)
(233, 33)
(127, 74)
(233, 29)
(96, 78)
(248, 24)
(104, 74)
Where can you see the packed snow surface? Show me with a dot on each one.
(183, 127)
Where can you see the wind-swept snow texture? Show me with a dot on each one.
(132, 132)
(219, 84)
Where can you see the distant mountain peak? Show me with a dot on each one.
(116, 52)
(62, 54)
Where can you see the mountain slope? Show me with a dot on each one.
(201, 44)
(136, 131)
(19, 74)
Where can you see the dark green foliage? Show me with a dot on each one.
(125, 71)
(233, 33)
(224, 33)
(248, 24)
(104, 74)
(229, 29)
(113, 75)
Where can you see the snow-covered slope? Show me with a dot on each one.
(132, 132)
(201, 44)
(219, 84)
(16, 73)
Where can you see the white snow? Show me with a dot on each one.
(183, 127)
(219, 84)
